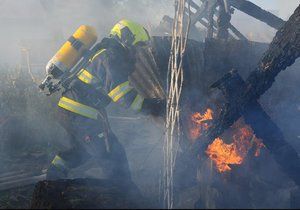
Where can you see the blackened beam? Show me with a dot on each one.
(282, 52)
(242, 96)
(194, 5)
(223, 21)
(255, 11)
(203, 22)
(200, 13)
(233, 87)
(210, 18)
(204, 14)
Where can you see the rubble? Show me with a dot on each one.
(87, 194)
(241, 96)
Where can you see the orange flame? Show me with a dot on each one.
(199, 123)
(222, 154)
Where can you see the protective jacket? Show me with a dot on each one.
(106, 80)
(82, 113)
(82, 109)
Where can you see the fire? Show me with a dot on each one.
(223, 154)
(199, 123)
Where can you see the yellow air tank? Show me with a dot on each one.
(72, 51)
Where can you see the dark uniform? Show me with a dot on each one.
(83, 116)
(82, 106)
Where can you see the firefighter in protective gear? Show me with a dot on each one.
(116, 64)
(81, 111)
(82, 105)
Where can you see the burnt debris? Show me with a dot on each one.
(241, 96)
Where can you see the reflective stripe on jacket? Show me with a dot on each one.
(78, 108)
(121, 91)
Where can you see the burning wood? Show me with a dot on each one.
(242, 96)
(224, 154)
(199, 123)
(243, 140)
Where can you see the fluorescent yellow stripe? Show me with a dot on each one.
(78, 108)
(117, 97)
(58, 161)
(119, 91)
(137, 103)
(85, 76)
(98, 53)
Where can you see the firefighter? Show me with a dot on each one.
(118, 66)
(82, 106)
(115, 62)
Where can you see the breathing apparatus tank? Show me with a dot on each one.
(72, 51)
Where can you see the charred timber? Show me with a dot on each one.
(242, 96)
(282, 53)
(264, 128)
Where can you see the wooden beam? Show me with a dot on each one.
(241, 96)
(201, 12)
(194, 5)
(255, 11)
(231, 27)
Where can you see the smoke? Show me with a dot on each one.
(283, 9)
(41, 26)
(46, 20)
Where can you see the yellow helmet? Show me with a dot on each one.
(130, 33)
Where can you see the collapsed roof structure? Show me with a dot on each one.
(215, 16)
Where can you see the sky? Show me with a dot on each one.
(284, 7)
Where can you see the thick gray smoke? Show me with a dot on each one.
(41, 26)
(52, 21)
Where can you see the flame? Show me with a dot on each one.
(199, 123)
(222, 154)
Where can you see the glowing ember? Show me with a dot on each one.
(199, 123)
